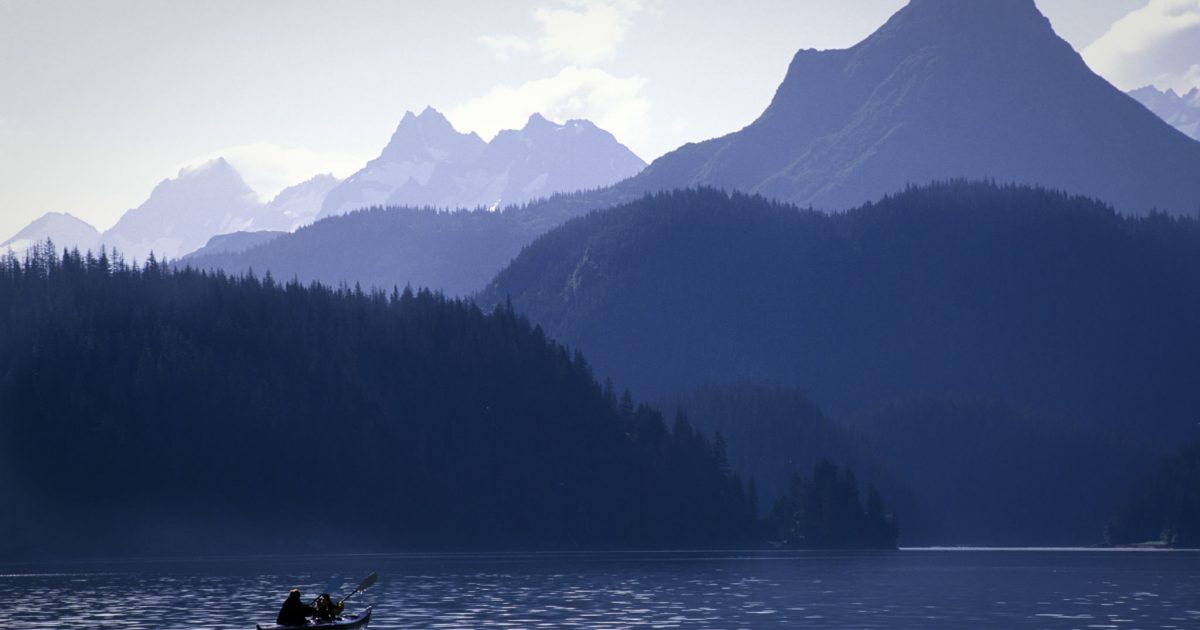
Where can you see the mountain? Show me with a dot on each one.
(536, 161)
(419, 144)
(183, 213)
(1029, 296)
(65, 230)
(1181, 112)
(428, 163)
(296, 206)
(209, 200)
(397, 232)
(945, 89)
(982, 89)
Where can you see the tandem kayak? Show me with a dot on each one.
(349, 621)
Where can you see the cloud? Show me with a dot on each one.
(269, 168)
(505, 47)
(1158, 44)
(580, 32)
(587, 34)
(614, 103)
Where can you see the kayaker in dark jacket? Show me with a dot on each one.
(294, 611)
(327, 609)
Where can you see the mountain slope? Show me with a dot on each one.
(967, 289)
(232, 243)
(63, 229)
(295, 206)
(945, 89)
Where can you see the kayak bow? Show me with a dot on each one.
(349, 621)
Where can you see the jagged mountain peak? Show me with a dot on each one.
(428, 162)
(217, 167)
(976, 89)
(954, 20)
(971, 11)
(431, 115)
(538, 122)
(989, 26)
(985, 35)
(428, 136)
(211, 174)
(429, 120)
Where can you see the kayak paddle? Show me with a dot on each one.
(364, 585)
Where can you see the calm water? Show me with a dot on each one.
(902, 589)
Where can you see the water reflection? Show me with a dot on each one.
(917, 589)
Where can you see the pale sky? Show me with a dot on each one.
(101, 100)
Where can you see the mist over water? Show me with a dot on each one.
(910, 588)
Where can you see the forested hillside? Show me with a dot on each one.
(971, 472)
(146, 410)
(1165, 507)
(983, 472)
(957, 289)
(772, 433)
(1006, 360)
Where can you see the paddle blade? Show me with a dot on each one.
(364, 585)
(368, 582)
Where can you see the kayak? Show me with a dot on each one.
(349, 621)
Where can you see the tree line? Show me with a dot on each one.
(144, 405)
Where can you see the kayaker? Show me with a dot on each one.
(294, 612)
(327, 609)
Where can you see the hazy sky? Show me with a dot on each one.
(99, 101)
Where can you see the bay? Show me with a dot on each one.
(910, 588)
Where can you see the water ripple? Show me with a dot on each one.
(942, 589)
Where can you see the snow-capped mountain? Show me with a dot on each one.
(183, 213)
(60, 227)
(429, 163)
(1180, 111)
(539, 160)
(420, 144)
(425, 163)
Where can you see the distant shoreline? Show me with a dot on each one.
(1140, 548)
